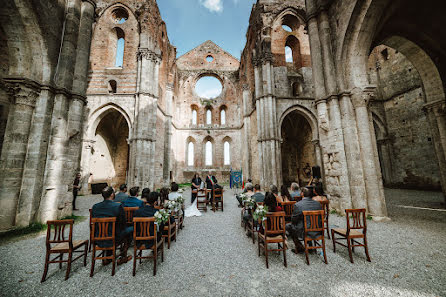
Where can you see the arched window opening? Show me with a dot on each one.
(227, 153)
(112, 86)
(120, 15)
(297, 89)
(194, 117)
(208, 117)
(288, 54)
(190, 154)
(208, 160)
(223, 117)
(120, 45)
(290, 23)
(287, 28)
(208, 87)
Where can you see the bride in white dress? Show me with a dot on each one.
(192, 210)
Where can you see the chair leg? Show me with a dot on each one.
(353, 243)
(140, 257)
(162, 252)
(334, 241)
(85, 254)
(366, 249)
(93, 255)
(70, 257)
(61, 259)
(134, 260)
(258, 241)
(323, 249)
(45, 270)
(114, 261)
(306, 252)
(284, 254)
(349, 249)
(155, 258)
(266, 253)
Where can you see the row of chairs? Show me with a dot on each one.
(272, 231)
(203, 201)
(59, 243)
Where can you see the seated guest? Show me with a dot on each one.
(149, 211)
(284, 193)
(122, 194)
(164, 195)
(249, 192)
(246, 185)
(271, 202)
(318, 192)
(296, 194)
(258, 196)
(195, 185)
(296, 227)
(275, 191)
(133, 201)
(173, 195)
(107, 209)
(145, 194)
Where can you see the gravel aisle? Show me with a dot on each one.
(213, 257)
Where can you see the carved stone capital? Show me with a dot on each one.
(362, 98)
(246, 87)
(145, 53)
(22, 91)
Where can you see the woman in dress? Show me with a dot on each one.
(285, 194)
(196, 184)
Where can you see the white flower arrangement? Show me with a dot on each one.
(170, 205)
(249, 202)
(181, 191)
(260, 212)
(161, 216)
(243, 196)
(180, 200)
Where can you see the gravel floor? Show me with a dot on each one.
(213, 257)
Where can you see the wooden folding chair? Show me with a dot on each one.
(314, 222)
(90, 225)
(170, 232)
(58, 243)
(103, 230)
(326, 208)
(356, 228)
(217, 202)
(129, 215)
(288, 207)
(141, 232)
(273, 232)
(202, 200)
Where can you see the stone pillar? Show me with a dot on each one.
(168, 138)
(23, 94)
(260, 116)
(375, 194)
(247, 131)
(56, 192)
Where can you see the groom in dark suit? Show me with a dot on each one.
(211, 183)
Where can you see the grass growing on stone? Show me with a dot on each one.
(185, 185)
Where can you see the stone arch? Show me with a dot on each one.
(97, 115)
(307, 114)
(206, 151)
(192, 140)
(227, 151)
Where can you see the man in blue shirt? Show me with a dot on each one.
(133, 201)
(296, 194)
(122, 195)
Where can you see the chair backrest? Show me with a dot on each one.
(142, 227)
(288, 207)
(202, 193)
(129, 214)
(103, 229)
(313, 221)
(326, 207)
(275, 222)
(56, 232)
(357, 219)
(218, 193)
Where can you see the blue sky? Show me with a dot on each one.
(192, 22)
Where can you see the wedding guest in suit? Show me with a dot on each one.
(133, 201)
(284, 194)
(173, 195)
(122, 194)
(149, 211)
(211, 183)
(76, 188)
(258, 195)
(196, 184)
(296, 194)
(296, 227)
(106, 209)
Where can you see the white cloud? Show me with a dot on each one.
(213, 5)
(288, 54)
(211, 93)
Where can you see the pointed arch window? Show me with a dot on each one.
(227, 153)
(208, 117)
(194, 117)
(208, 157)
(190, 154)
(223, 117)
(120, 44)
(288, 54)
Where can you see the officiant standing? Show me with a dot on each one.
(196, 184)
(211, 183)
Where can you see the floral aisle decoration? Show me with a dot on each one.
(260, 212)
(170, 205)
(161, 216)
(249, 202)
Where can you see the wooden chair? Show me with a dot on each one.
(90, 225)
(103, 229)
(253, 226)
(217, 202)
(170, 232)
(273, 232)
(141, 232)
(129, 214)
(316, 224)
(288, 207)
(326, 208)
(202, 200)
(356, 228)
(58, 243)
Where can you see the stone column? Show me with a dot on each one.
(56, 192)
(246, 144)
(260, 115)
(375, 194)
(23, 94)
(168, 129)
